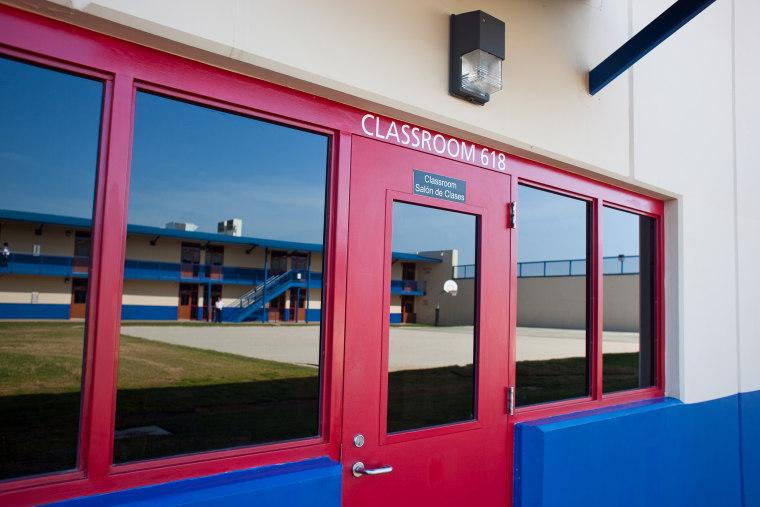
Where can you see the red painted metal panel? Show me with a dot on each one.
(458, 464)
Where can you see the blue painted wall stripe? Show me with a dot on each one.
(30, 311)
(313, 483)
(147, 312)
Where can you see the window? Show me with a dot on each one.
(439, 389)
(629, 284)
(553, 333)
(219, 190)
(557, 332)
(49, 136)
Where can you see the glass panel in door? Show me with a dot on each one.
(431, 365)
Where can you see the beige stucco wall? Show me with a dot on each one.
(621, 303)
(165, 249)
(555, 302)
(351, 55)
(19, 289)
(560, 302)
(315, 299)
(682, 123)
(151, 293)
(454, 310)
(396, 270)
(395, 305)
(54, 240)
(316, 262)
(459, 310)
(234, 255)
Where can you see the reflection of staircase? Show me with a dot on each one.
(251, 305)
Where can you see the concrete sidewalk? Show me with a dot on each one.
(411, 347)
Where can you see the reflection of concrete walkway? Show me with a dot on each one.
(411, 347)
(288, 344)
(536, 343)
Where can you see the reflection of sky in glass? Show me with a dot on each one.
(49, 130)
(553, 227)
(198, 165)
(549, 226)
(621, 233)
(421, 229)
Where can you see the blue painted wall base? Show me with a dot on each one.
(750, 434)
(146, 312)
(659, 452)
(649, 453)
(312, 483)
(30, 311)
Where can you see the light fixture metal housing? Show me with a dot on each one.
(477, 49)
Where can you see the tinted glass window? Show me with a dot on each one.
(49, 136)
(629, 332)
(431, 361)
(552, 312)
(226, 225)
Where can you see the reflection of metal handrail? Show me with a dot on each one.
(463, 271)
(256, 298)
(51, 265)
(613, 265)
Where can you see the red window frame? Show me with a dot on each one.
(599, 195)
(125, 67)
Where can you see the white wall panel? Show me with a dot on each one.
(682, 95)
(747, 43)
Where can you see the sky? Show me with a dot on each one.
(199, 165)
(553, 227)
(49, 130)
(549, 227)
(216, 166)
(420, 229)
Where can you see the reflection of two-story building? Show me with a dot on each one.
(414, 304)
(177, 273)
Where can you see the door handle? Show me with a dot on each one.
(359, 470)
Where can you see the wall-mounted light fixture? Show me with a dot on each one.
(477, 49)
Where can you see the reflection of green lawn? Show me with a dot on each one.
(204, 399)
(561, 379)
(213, 400)
(422, 398)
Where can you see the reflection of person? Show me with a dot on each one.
(219, 306)
(4, 257)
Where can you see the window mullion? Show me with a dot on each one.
(96, 440)
(596, 299)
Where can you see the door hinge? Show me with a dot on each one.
(512, 215)
(511, 400)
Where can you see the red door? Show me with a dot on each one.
(78, 309)
(428, 430)
(188, 302)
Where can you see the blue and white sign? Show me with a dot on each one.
(439, 187)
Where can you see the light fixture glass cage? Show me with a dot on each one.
(481, 72)
(476, 50)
